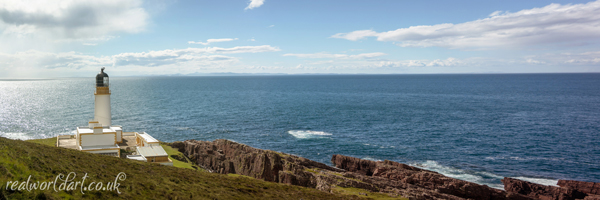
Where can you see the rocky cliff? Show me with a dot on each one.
(382, 177)
(223, 156)
(420, 178)
(568, 190)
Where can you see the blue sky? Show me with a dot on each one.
(65, 38)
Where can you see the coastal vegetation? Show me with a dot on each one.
(38, 161)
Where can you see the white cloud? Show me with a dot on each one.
(552, 24)
(449, 62)
(34, 63)
(39, 59)
(271, 26)
(204, 60)
(213, 41)
(156, 59)
(591, 58)
(355, 35)
(240, 49)
(254, 4)
(67, 20)
(337, 56)
(39, 64)
(166, 57)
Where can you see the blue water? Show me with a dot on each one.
(481, 128)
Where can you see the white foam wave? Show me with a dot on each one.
(17, 136)
(541, 181)
(475, 177)
(305, 134)
(370, 158)
(520, 158)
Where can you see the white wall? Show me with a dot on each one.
(104, 151)
(97, 140)
(119, 136)
(102, 109)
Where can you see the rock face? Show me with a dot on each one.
(540, 191)
(568, 190)
(585, 187)
(420, 178)
(394, 179)
(224, 156)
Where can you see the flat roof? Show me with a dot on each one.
(147, 137)
(152, 151)
(108, 130)
(91, 130)
(137, 157)
(99, 147)
(85, 130)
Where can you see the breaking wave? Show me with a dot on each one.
(305, 134)
(541, 181)
(484, 178)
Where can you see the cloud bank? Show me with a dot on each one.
(552, 24)
(33, 63)
(162, 62)
(337, 56)
(166, 57)
(72, 20)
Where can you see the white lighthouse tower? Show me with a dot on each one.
(102, 102)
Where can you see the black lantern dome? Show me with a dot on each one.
(102, 79)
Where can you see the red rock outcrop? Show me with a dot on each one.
(392, 178)
(421, 178)
(568, 190)
(540, 191)
(352, 164)
(589, 188)
(222, 156)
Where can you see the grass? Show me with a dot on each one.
(239, 175)
(362, 192)
(47, 141)
(179, 160)
(311, 170)
(21, 159)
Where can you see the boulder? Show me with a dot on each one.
(589, 188)
(538, 191)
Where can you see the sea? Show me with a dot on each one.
(475, 127)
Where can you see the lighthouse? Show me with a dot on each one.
(101, 137)
(102, 102)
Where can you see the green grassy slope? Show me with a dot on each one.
(20, 159)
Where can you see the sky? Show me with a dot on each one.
(74, 38)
